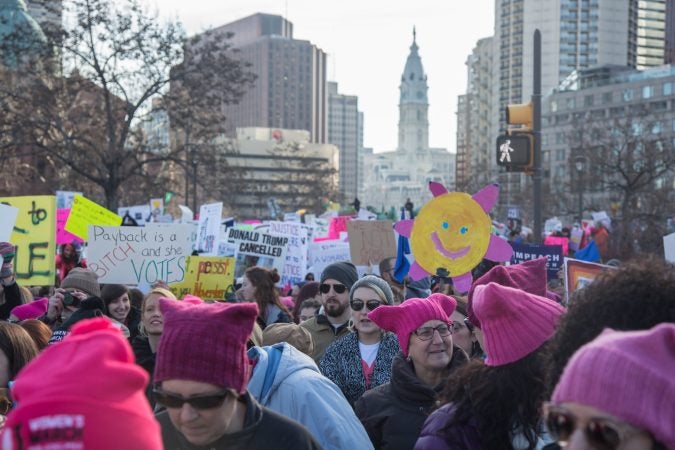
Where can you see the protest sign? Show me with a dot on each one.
(62, 236)
(295, 266)
(64, 199)
(579, 274)
(207, 277)
(370, 241)
(323, 253)
(34, 236)
(526, 252)
(292, 217)
(561, 241)
(139, 213)
(669, 247)
(8, 214)
(319, 226)
(139, 255)
(208, 230)
(256, 248)
(84, 213)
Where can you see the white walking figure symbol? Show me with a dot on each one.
(505, 149)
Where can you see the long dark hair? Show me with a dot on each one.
(498, 399)
(18, 347)
(266, 292)
(110, 292)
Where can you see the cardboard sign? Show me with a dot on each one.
(255, 248)
(208, 231)
(207, 277)
(669, 247)
(139, 255)
(34, 236)
(84, 213)
(62, 236)
(579, 274)
(323, 253)
(8, 214)
(526, 252)
(370, 241)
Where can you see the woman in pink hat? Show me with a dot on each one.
(393, 413)
(496, 404)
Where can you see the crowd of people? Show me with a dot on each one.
(344, 362)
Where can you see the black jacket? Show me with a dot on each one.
(393, 414)
(146, 359)
(12, 299)
(263, 429)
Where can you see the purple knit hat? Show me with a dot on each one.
(31, 310)
(628, 374)
(405, 318)
(205, 342)
(514, 323)
(530, 276)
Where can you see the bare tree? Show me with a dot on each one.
(119, 57)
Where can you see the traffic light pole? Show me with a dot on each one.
(536, 130)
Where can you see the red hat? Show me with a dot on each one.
(514, 323)
(205, 342)
(86, 392)
(529, 276)
(405, 318)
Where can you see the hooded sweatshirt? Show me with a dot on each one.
(289, 382)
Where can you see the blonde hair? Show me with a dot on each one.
(162, 292)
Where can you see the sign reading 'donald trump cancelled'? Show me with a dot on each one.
(255, 248)
(34, 236)
(139, 255)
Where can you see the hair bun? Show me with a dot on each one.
(274, 275)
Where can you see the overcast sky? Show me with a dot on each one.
(367, 42)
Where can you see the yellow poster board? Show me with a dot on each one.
(35, 238)
(84, 213)
(207, 277)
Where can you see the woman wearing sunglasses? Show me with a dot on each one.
(362, 359)
(618, 392)
(393, 413)
(496, 404)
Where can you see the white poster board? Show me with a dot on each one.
(323, 253)
(7, 220)
(208, 231)
(669, 247)
(295, 266)
(256, 248)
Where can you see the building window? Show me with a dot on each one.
(607, 98)
(627, 95)
(667, 88)
(571, 103)
(588, 100)
(647, 91)
(554, 106)
(560, 154)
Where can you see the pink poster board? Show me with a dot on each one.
(62, 236)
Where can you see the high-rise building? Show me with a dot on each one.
(647, 33)
(345, 131)
(670, 32)
(290, 91)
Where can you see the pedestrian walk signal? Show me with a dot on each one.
(515, 151)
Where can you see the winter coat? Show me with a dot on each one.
(288, 382)
(263, 429)
(465, 436)
(274, 315)
(323, 334)
(146, 359)
(12, 299)
(342, 364)
(393, 414)
(133, 321)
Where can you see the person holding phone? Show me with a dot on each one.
(79, 285)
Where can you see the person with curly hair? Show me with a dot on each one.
(258, 287)
(496, 404)
(635, 296)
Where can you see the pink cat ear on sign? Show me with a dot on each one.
(437, 189)
(404, 227)
(499, 250)
(487, 197)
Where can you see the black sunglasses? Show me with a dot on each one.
(357, 305)
(200, 402)
(338, 288)
(601, 433)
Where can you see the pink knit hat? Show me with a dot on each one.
(529, 276)
(405, 318)
(205, 342)
(31, 310)
(515, 323)
(628, 374)
(86, 392)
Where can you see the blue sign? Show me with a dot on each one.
(526, 252)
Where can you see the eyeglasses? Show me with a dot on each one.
(601, 433)
(426, 333)
(199, 402)
(324, 288)
(357, 305)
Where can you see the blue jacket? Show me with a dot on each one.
(289, 382)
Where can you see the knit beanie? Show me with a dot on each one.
(297, 336)
(378, 285)
(86, 392)
(7, 253)
(84, 280)
(343, 271)
(514, 322)
(31, 310)
(628, 374)
(529, 276)
(405, 318)
(205, 342)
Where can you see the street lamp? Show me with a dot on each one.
(580, 166)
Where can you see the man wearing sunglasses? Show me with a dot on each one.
(333, 318)
(201, 373)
